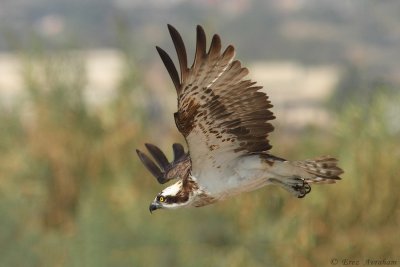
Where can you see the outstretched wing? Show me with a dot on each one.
(221, 113)
(166, 170)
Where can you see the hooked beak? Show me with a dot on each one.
(154, 206)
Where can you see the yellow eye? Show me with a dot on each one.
(161, 199)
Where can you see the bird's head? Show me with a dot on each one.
(178, 195)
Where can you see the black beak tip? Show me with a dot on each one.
(152, 207)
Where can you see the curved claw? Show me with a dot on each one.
(303, 190)
(295, 185)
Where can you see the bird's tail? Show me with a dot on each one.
(297, 176)
(322, 170)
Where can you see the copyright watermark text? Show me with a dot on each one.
(364, 262)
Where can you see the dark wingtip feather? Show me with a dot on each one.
(229, 51)
(158, 155)
(151, 166)
(180, 51)
(201, 36)
(200, 46)
(215, 47)
(179, 151)
(170, 27)
(170, 66)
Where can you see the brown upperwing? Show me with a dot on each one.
(220, 113)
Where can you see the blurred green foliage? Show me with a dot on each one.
(74, 194)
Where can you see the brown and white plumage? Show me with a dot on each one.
(225, 120)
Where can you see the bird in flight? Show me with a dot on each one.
(225, 120)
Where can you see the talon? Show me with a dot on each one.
(308, 188)
(296, 185)
(302, 189)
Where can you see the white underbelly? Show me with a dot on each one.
(240, 175)
(238, 182)
(247, 186)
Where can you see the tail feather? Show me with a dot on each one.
(323, 170)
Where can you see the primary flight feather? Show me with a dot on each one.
(225, 119)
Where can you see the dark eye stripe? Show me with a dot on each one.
(171, 199)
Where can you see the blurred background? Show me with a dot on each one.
(81, 87)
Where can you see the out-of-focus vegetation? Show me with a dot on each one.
(73, 193)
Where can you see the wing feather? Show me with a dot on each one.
(158, 155)
(221, 114)
(166, 171)
(200, 47)
(169, 65)
(179, 151)
(180, 50)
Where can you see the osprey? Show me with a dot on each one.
(225, 119)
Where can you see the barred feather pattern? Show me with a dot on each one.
(222, 114)
(323, 169)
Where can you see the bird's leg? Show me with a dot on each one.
(294, 185)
